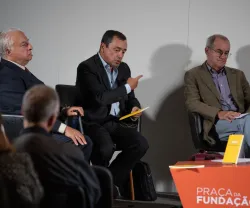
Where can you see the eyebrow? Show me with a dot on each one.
(221, 49)
(25, 41)
(121, 48)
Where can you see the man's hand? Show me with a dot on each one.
(71, 111)
(227, 115)
(75, 135)
(134, 109)
(133, 82)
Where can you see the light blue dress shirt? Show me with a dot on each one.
(221, 83)
(112, 75)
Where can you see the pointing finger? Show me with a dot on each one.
(139, 77)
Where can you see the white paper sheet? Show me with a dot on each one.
(242, 115)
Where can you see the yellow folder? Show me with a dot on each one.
(134, 113)
(233, 148)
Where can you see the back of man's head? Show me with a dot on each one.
(40, 104)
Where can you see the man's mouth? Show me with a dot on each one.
(223, 61)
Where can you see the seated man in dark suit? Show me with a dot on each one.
(108, 92)
(15, 79)
(59, 165)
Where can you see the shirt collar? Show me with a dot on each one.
(105, 64)
(212, 71)
(22, 67)
(35, 129)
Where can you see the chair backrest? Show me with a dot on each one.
(13, 124)
(64, 197)
(106, 184)
(69, 95)
(196, 126)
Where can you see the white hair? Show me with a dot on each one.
(6, 41)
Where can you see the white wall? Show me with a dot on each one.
(165, 38)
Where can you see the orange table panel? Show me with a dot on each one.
(215, 185)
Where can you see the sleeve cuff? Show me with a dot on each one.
(62, 128)
(134, 119)
(128, 88)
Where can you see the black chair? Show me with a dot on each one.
(69, 95)
(64, 197)
(106, 184)
(196, 126)
(13, 124)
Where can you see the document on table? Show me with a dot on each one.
(240, 160)
(186, 166)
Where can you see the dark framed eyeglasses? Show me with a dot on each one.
(220, 52)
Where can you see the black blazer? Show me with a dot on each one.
(58, 164)
(14, 82)
(97, 95)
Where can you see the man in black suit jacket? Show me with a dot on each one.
(60, 166)
(15, 80)
(108, 92)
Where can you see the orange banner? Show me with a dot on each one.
(214, 185)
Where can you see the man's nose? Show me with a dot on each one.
(30, 47)
(120, 55)
(223, 56)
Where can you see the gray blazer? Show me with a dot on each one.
(202, 96)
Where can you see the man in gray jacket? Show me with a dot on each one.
(220, 94)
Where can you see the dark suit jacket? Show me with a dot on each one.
(203, 97)
(58, 164)
(97, 95)
(14, 82)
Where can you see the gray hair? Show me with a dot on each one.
(211, 39)
(6, 41)
(40, 103)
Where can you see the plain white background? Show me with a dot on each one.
(165, 38)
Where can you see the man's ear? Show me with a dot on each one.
(102, 46)
(8, 51)
(51, 121)
(206, 50)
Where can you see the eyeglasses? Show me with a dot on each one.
(220, 52)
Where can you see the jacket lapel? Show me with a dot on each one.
(207, 79)
(11, 65)
(231, 78)
(103, 72)
(28, 78)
